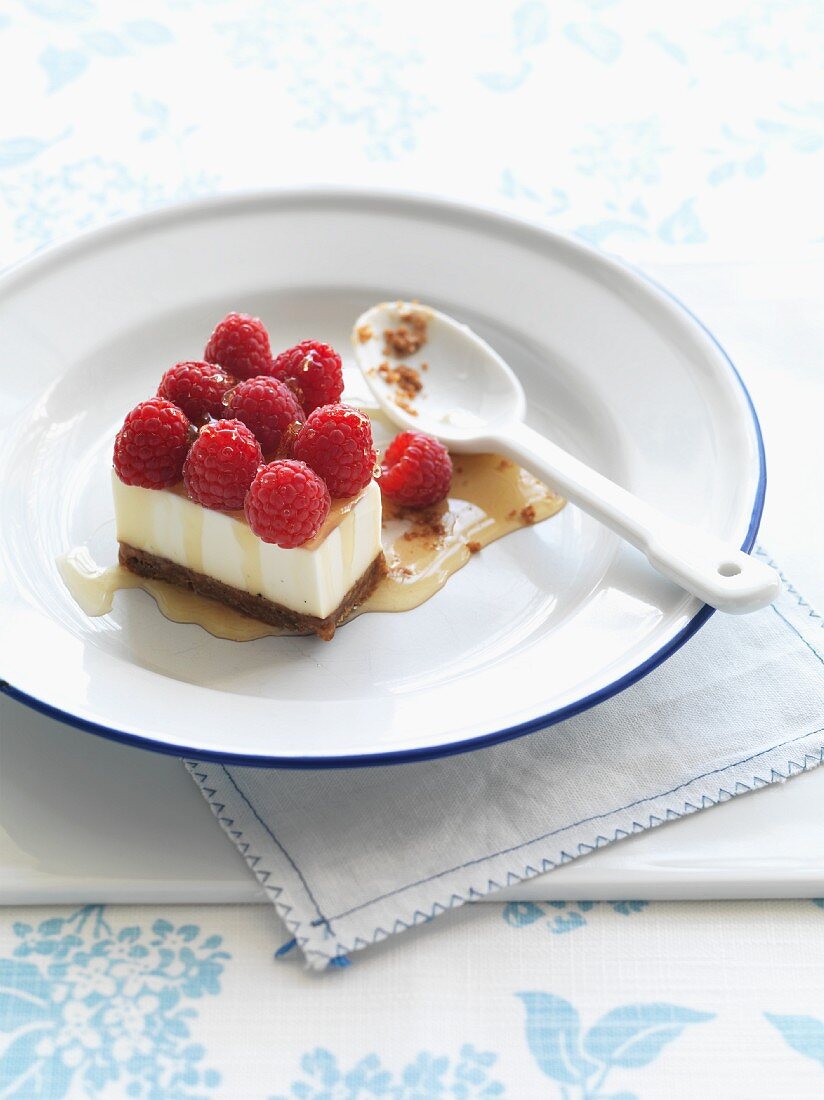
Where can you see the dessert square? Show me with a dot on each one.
(311, 588)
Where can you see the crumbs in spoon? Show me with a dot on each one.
(405, 381)
(409, 337)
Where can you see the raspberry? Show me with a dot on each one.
(151, 446)
(198, 388)
(417, 470)
(336, 441)
(287, 503)
(240, 344)
(314, 369)
(221, 464)
(268, 408)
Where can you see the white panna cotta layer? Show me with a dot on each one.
(311, 579)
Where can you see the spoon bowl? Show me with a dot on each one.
(468, 391)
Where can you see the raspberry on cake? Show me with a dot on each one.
(336, 441)
(287, 503)
(270, 409)
(240, 344)
(315, 372)
(197, 507)
(199, 389)
(221, 464)
(151, 446)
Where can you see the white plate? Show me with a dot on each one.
(539, 626)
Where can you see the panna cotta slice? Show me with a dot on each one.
(311, 588)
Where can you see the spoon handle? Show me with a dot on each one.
(706, 566)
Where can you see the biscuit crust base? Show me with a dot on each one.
(258, 607)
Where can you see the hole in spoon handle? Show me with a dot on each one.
(729, 581)
(729, 569)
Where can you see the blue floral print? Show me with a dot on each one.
(374, 92)
(82, 1003)
(426, 1077)
(86, 193)
(565, 916)
(804, 1034)
(629, 1037)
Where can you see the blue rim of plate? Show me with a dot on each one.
(401, 756)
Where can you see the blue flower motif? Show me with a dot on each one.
(530, 28)
(374, 91)
(625, 155)
(64, 64)
(601, 42)
(745, 154)
(682, 226)
(530, 25)
(784, 33)
(426, 1077)
(61, 11)
(628, 1037)
(568, 916)
(45, 205)
(90, 1006)
(16, 151)
(557, 201)
(802, 1033)
(148, 32)
(627, 908)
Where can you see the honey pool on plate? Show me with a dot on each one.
(490, 497)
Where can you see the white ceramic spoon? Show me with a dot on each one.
(472, 401)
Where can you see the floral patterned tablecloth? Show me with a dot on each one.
(670, 134)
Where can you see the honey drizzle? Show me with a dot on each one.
(490, 498)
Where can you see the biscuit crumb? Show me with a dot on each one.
(364, 333)
(505, 464)
(528, 514)
(473, 547)
(406, 382)
(426, 524)
(512, 514)
(409, 337)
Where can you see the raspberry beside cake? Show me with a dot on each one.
(247, 481)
